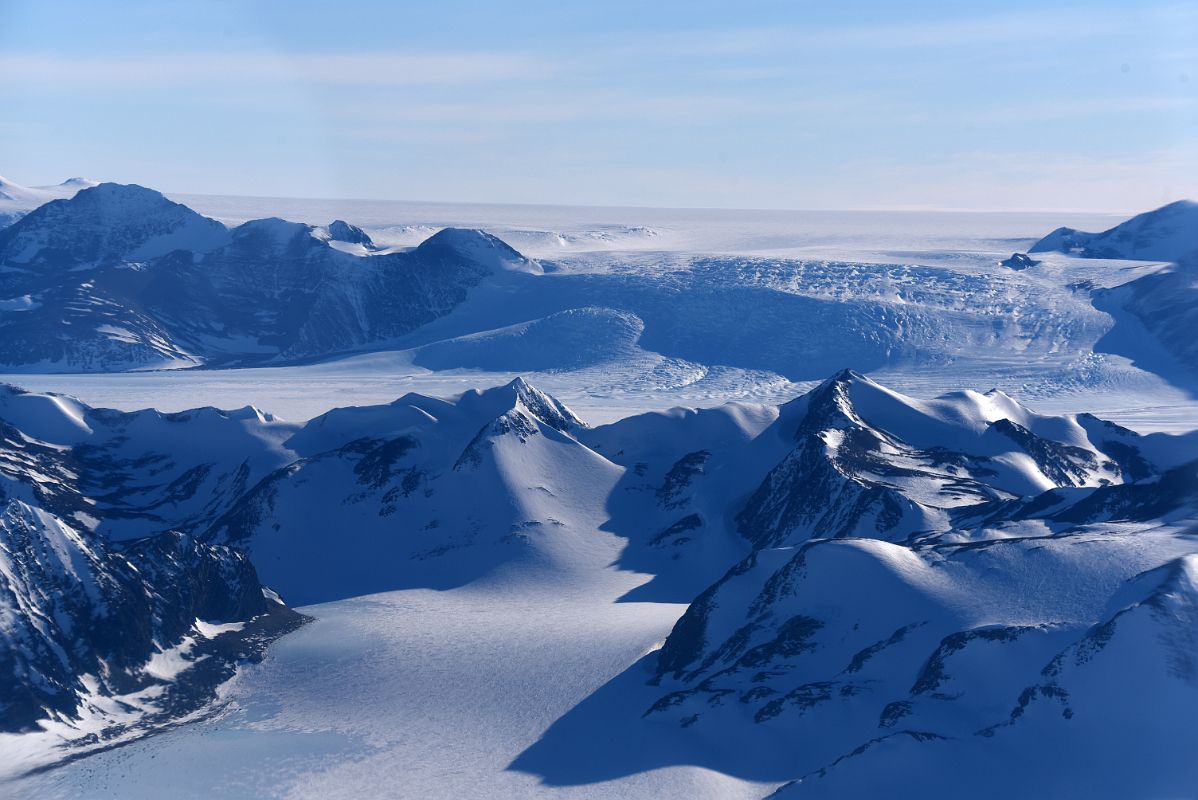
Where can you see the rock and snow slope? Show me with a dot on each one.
(100, 639)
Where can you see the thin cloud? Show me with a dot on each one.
(338, 69)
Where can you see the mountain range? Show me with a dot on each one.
(875, 576)
(118, 277)
(873, 590)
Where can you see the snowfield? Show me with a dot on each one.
(595, 503)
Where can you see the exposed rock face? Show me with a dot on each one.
(86, 619)
(1019, 261)
(159, 619)
(342, 231)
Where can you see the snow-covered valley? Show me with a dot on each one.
(597, 503)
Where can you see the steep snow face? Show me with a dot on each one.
(1170, 233)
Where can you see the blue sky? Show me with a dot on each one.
(1013, 105)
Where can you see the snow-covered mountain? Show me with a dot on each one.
(869, 576)
(422, 492)
(1163, 304)
(119, 277)
(16, 201)
(102, 638)
(1068, 654)
(958, 578)
(1169, 233)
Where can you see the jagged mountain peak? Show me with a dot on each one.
(519, 397)
(851, 399)
(543, 406)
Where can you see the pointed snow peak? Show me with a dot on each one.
(478, 247)
(848, 375)
(836, 388)
(1174, 579)
(250, 413)
(544, 407)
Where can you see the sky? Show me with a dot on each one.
(802, 105)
